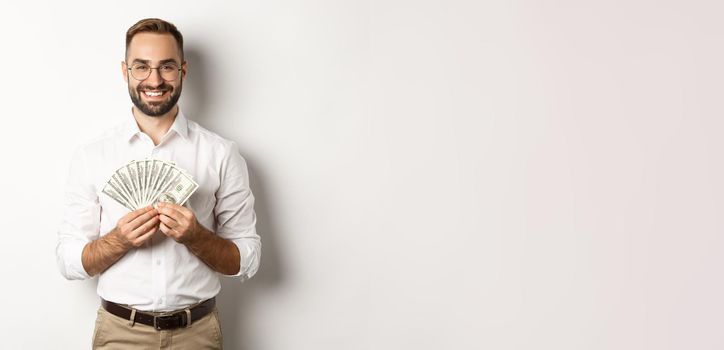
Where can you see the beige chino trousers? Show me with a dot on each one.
(114, 333)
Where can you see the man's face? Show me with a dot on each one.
(154, 50)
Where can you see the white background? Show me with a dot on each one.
(429, 175)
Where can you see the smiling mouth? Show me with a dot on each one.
(154, 94)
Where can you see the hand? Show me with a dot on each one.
(178, 222)
(136, 227)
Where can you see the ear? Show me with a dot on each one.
(184, 70)
(124, 71)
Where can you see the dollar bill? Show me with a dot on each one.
(140, 183)
(111, 192)
(182, 189)
(125, 181)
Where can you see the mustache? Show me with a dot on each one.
(162, 87)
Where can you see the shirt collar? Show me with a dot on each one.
(180, 126)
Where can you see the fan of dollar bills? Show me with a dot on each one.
(141, 183)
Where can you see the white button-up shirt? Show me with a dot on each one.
(162, 275)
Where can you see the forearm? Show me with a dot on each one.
(218, 253)
(100, 254)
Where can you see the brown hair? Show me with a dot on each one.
(155, 25)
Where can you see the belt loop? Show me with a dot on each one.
(188, 317)
(132, 320)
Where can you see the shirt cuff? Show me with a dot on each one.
(249, 257)
(72, 260)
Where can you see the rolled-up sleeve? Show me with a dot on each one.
(234, 212)
(81, 220)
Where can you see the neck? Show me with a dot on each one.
(155, 127)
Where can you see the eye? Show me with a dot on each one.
(168, 68)
(140, 68)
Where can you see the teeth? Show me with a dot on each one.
(153, 94)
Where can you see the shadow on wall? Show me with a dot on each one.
(235, 298)
(195, 88)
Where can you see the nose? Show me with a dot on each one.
(155, 78)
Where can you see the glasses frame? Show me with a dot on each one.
(150, 70)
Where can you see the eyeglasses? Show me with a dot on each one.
(168, 71)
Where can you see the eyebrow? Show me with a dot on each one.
(138, 60)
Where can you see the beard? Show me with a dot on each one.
(155, 109)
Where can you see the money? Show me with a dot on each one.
(141, 183)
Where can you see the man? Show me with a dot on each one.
(158, 267)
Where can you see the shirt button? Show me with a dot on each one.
(158, 262)
(160, 300)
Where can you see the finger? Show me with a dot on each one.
(143, 238)
(173, 206)
(170, 222)
(147, 226)
(169, 205)
(167, 230)
(140, 220)
(134, 214)
(170, 212)
(185, 212)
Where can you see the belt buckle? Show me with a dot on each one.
(167, 317)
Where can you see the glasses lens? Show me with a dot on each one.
(140, 71)
(168, 72)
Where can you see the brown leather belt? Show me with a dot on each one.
(161, 322)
